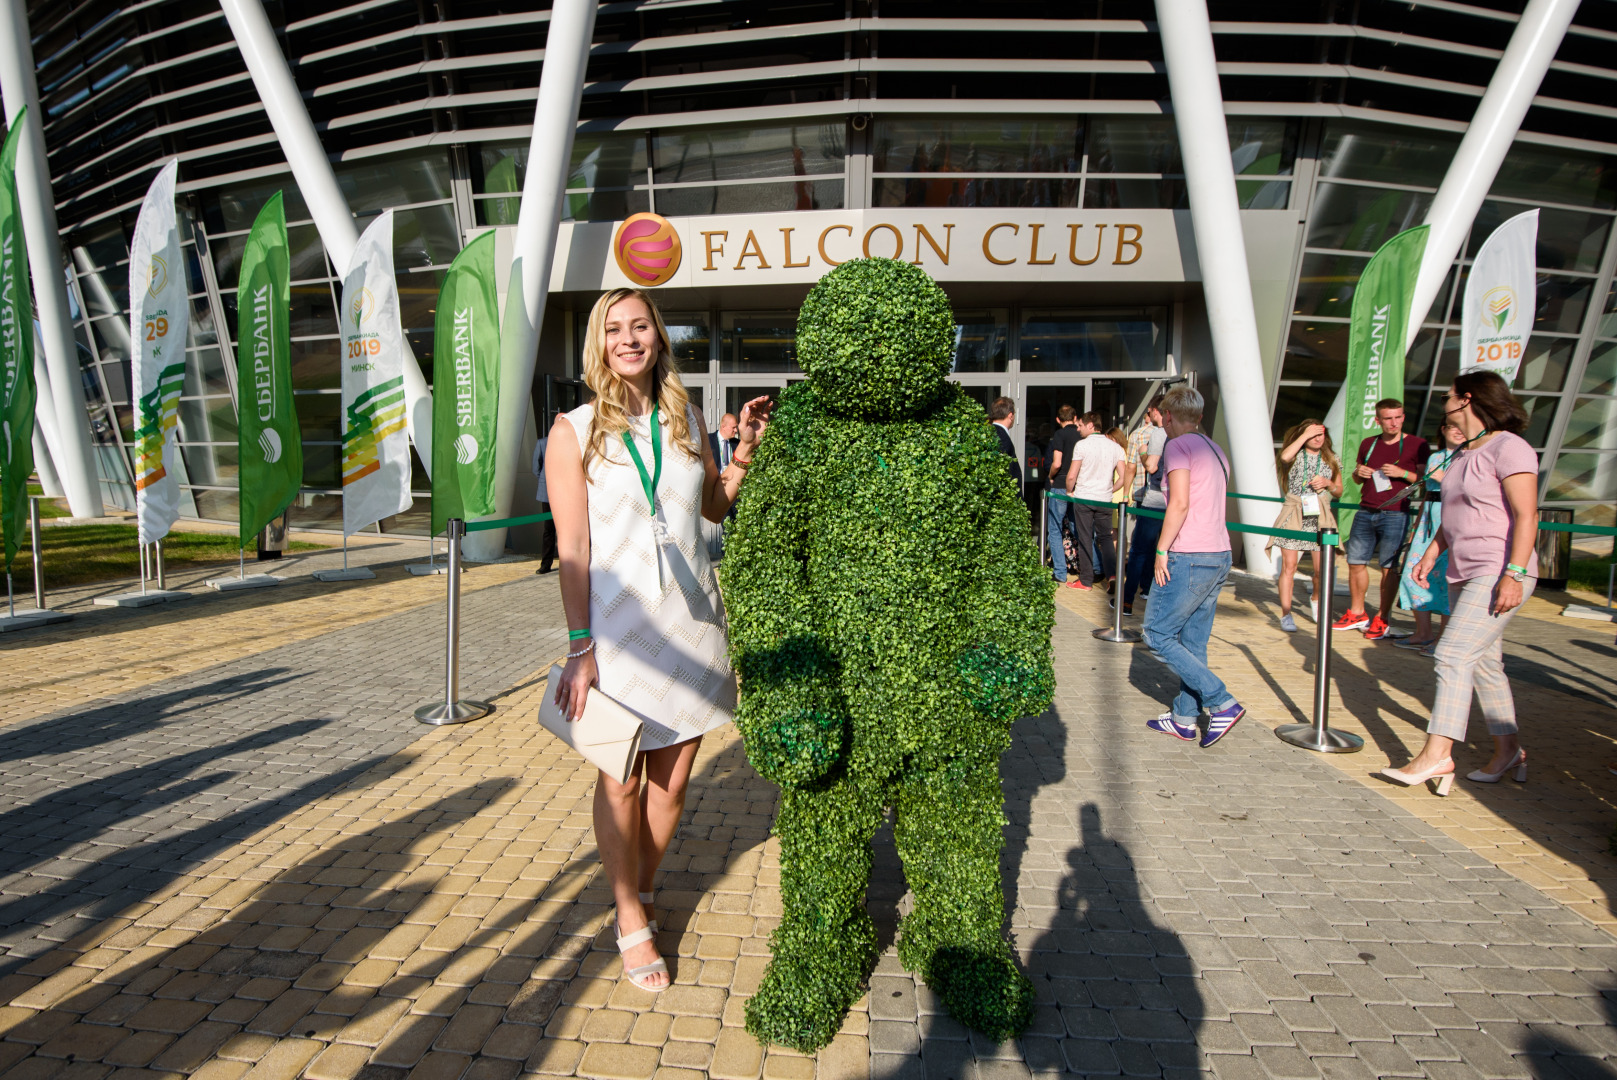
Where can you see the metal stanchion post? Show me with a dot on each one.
(452, 710)
(1318, 735)
(39, 568)
(1115, 632)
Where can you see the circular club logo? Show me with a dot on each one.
(269, 441)
(466, 449)
(362, 306)
(157, 276)
(1499, 307)
(647, 249)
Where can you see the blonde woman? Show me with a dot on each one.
(1312, 476)
(630, 477)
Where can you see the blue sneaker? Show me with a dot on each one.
(1219, 723)
(1169, 726)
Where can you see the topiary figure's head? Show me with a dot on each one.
(876, 338)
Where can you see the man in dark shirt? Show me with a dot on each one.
(1003, 414)
(1057, 511)
(1386, 465)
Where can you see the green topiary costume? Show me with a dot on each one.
(889, 619)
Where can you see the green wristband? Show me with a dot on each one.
(574, 635)
(1161, 552)
(1517, 569)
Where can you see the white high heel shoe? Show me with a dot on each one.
(1442, 772)
(1519, 763)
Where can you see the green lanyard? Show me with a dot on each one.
(649, 482)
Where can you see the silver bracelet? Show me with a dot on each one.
(585, 651)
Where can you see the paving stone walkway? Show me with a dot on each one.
(263, 867)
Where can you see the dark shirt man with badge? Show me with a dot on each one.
(1058, 511)
(1002, 413)
(1386, 466)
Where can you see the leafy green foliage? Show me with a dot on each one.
(889, 619)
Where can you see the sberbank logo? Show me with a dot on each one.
(269, 441)
(364, 303)
(466, 449)
(1499, 306)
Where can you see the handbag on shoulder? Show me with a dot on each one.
(607, 735)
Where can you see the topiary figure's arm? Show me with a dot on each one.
(791, 715)
(1007, 671)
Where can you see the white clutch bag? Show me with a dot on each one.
(607, 735)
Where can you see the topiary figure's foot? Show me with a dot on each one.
(983, 990)
(801, 1003)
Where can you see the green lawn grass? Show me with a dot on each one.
(81, 554)
(1591, 574)
(49, 508)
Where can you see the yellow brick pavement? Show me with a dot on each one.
(1551, 832)
(455, 904)
(73, 663)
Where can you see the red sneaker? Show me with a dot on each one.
(1351, 620)
(1377, 629)
(1080, 586)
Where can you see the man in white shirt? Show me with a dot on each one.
(1096, 461)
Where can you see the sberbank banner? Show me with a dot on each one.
(16, 355)
(158, 314)
(465, 387)
(268, 440)
(1501, 295)
(1376, 336)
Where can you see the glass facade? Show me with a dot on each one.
(1375, 181)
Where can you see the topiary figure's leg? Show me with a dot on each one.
(949, 835)
(825, 945)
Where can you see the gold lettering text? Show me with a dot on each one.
(829, 229)
(1072, 245)
(989, 235)
(1033, 257)
(1125, 240)
(898, 239)
(707, 241)
(749, 247)
(786, 234)
(943, 252)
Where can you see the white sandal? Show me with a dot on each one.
(649, 898)
(656, 967)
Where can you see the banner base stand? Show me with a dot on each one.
(456, 712)
(1126, 637)
(145, 599)
(251, 581)
(37, 617)
(1586, 611)
(421, 569)
(354, 573)
(1310, 737)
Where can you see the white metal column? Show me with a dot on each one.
(76, 465)
(1486, 142)
(555, 119)
(1215, 216)
(315, 179)
(46, 436)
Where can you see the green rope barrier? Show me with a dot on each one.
(1593, 530)
(501, 523)
(1331, 539)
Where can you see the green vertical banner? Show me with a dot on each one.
(1376, 336)
(268, 440)
(16, 355)
(465, 387)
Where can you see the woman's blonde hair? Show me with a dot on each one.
(668, 392)
(1117, 436)
(1327, 452)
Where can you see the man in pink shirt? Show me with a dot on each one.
(1193, 561)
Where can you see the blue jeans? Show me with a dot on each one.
(1056, 516)
(1142, 556)
(1178, 624)
(1377, 534)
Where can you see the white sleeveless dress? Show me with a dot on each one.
(661, 642)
